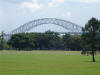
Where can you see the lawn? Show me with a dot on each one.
(47, 63)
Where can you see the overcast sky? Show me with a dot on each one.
(14, 13)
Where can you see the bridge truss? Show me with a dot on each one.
(71, 27)
(74, 28)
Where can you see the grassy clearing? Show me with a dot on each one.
(47, 63)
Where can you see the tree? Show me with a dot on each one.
(90, 37)
(22, 41)
(72, 42)
(48, 40)
(40, 41)
(66, 41)
(0, 43)
(55, 40)
(76, 43)
(3, 44)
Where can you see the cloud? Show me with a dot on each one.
(87, 1)
(32, 6)
(67, 14)
(14, 1)
(54, 2)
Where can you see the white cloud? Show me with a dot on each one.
(32, 6)
(67, 14)
(54, 2)
(87, 1)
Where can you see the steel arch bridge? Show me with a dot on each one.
(73, 28)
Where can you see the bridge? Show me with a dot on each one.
(72, 27)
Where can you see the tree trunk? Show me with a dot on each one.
(93, 57)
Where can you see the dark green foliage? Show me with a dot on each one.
(22, 41)
(3, 43)
(72, 42)
(45, 41)
(91, 37)
(66, 41)
(76, 42)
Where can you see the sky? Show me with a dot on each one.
(14, 13)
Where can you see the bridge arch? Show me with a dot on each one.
(63, 23)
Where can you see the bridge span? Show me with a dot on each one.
(71, 27)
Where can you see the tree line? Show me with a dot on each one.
(43, 41)
(88, 42)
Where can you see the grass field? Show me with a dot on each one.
(47, 63)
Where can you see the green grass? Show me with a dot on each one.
(47, 63)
